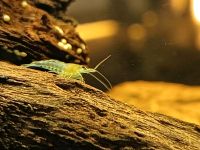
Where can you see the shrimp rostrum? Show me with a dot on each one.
(70, 70)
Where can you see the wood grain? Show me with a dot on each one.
(39, 110)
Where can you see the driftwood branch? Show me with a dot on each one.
(52, 5)
(34, 34)
(39, 110)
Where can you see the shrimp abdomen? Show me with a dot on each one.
(52, 65)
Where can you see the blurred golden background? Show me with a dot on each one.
(148, 40)
(157, 40)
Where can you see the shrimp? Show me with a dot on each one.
(70, 70)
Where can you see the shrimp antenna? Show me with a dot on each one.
(104, 78)
(100, 81)
(101, 62)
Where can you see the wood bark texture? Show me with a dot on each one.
(40, 110)
(33, 33)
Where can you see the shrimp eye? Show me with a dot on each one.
(84, 67)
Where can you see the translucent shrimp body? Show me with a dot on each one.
(68, 70)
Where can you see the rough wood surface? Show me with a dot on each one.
(39, 110)
(33, 34)
(52, 5)
(57, 8)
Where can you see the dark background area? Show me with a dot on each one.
(153, 40)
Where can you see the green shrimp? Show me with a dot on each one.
(70, 70)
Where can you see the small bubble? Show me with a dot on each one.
(79, 51)
(23, 54)
(87, 59)
(83, 46)
(64, 41)
(67, 47)
(60, 44)
(24, 4)
(16, 52)
(58, 30)
(6, 18)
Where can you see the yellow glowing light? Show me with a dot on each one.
(150, 19)
(136, 32)
(179, 6)
(196, 10)
(97, 30)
